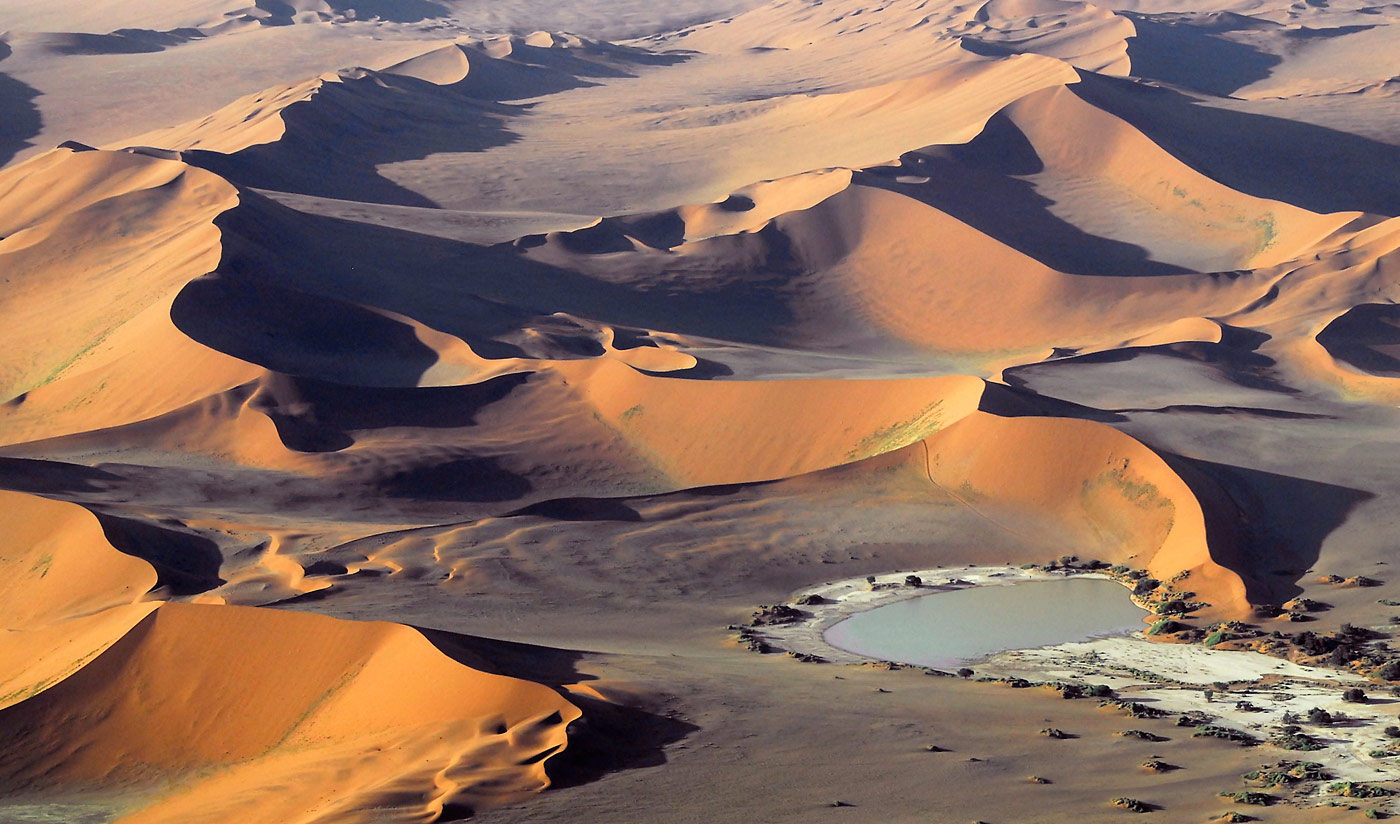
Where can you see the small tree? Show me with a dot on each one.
(1355, 695)
(913, 581)
(965, 672)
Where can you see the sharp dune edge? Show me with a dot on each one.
(398, 398)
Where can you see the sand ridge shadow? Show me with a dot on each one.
(980, 183)
(1268, 528)
(1367, 337)
(1233, 360)
(53, 478)
(488, 295)
(286, 331)
(1015, 400)
(319, 416)
(335, 141)
(20, 120)
(1188, 52)
(279, 13)
(579, 509)
(610, 737)
(1259, 155)
(471, 478)
(185, 563)
(121, 41)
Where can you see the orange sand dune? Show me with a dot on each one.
(575, 427)
(1118, 497)
(68, 594)
(985, 489)
(1109, 179)
(198, 713)
(215, 713)
(96, 246)
(83, 228)
(716, 432)
(1085, 192)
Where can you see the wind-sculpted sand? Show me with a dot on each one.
(408, 407)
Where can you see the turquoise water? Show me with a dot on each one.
(948, 629)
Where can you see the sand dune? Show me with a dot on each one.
(702, 433)
(69, 595)
(147, 709)
(1109, 490)
(96, 273)
(594, 326)
(359, 717)
(829, 274)
(1082, 34)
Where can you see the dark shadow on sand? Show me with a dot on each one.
(474, 479)
(335, 141)
(498, 299)
(186, 563)
(293, 333)
(1316, 168)
(318, 416)
(579, 509)
(1268, 528)
(980, 183)
(1367, 337)
(1189, 51)
(608, 738)
(53, 478)
(20, 121)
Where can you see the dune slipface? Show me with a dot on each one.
(400, 398)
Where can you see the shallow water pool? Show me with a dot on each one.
(948, 629)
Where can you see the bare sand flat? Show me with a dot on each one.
(431, 410)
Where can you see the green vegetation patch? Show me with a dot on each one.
(900, 434)
(1356, 789)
